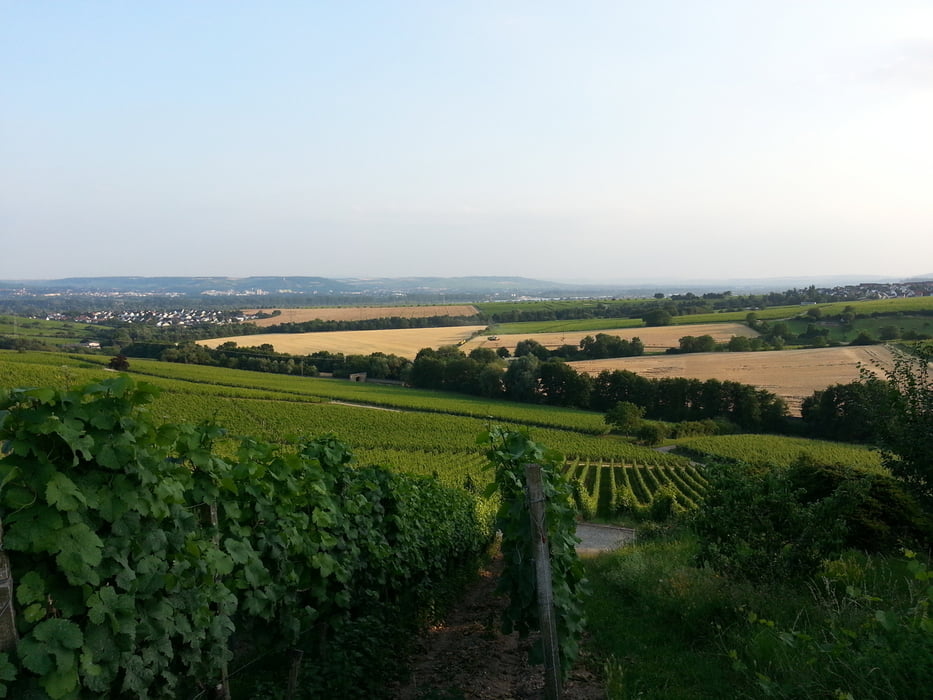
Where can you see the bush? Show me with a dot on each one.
(753, 524)
(652, 433)
(664, 504)
(691, 428)
(879, 514)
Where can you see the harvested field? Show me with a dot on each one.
(791, 374)
(358, 313)
(404, 342)
(655, 339)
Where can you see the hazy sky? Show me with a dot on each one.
(618, 140)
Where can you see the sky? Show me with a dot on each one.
(604, 141)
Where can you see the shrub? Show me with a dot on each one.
(879, 514)
(652, 433)
(663, 504)
(752, 524)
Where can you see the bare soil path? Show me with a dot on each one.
(466, 657)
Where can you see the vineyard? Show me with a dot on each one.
(779, 451)
(277, 407)
(424, 432)
(600, 485)
(146, 565)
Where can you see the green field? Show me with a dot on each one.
(49, 332)
(892, 312)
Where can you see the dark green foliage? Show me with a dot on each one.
(905, 424)
(679, 399)
(690, 343)
(138, 552)
(119, 363)
(657, 317)
(848, 412)
(864, 338)
(652, 433)
(664, 504)
(753, 523)
(878, 513)
(625, 417)
(508, 454)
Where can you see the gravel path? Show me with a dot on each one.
(600, 538)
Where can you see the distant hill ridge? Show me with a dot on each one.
(404, 286)
(298, 285)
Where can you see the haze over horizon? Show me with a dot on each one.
(603, 140)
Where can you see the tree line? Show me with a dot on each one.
(529, 379)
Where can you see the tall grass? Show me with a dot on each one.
(665, 628)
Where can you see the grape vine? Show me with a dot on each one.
(508, 453)
(137, 552)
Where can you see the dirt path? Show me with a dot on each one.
(467, 658)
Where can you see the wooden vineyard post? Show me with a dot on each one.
(223, 688)
(8, 636)
(296, 656)
(542, 557)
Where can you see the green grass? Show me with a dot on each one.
(662, 628)
(845, 333)
(654, 621)
(772, 313)
(49, 332)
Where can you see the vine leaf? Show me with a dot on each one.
(62, 493)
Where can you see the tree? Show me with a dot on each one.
(864, 338)
(119, 363)
(562, 385)
(483, 355)
(625, 417)
(522, 378)
(657, 317)
(847, 412)
(905, 423)
(530, 346)
(703, 343)
(889, 332)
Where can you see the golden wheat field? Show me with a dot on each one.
(405, 342)
(655, 339)
(791, 374)
(358, 313)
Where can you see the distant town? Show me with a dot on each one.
(49, 305)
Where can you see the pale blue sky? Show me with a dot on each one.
(624, 140)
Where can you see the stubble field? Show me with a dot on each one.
(791, 374)
(655, 338)
(404, 342)
(358, 313)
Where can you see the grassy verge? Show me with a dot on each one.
(665, 628)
